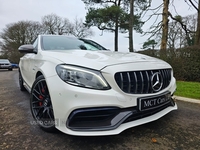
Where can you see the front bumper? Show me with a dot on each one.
(5, 66)
(87, 112)
(108, 118)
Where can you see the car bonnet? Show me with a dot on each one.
(98, 59)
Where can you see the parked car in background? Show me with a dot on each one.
(80, 88)
(5, 64)
(15, 65)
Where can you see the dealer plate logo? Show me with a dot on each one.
(147, 103)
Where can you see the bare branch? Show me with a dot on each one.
(193, 5)
(109, 1)
(105, 28)
(172, 3)
(155, 30)
(181, 23)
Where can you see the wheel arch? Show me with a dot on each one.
(38, 74)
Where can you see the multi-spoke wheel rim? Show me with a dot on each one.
(41, 104)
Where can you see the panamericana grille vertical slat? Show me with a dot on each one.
(140, 82)
(136, 81)
(121, 83)
(163, 74)
(151, 90)
(129, 82)
(147, 82)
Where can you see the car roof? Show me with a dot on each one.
(70, 36)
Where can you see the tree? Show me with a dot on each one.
(53, 24)
(165, 21)
(149, 43)
(197, 41)
(138, 7)
(181, 32)
(113, 16)
(181, 28)
(108, 18)
(194, 40)
(79, 29)
(186, 27)
(17, 34)
(131, 26)
(1, 52)
(197, 37)
(169, 32)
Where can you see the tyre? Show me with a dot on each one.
(41, 106)
(21, 82)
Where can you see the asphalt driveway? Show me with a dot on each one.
(179, 130)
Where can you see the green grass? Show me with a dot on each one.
(188, 89)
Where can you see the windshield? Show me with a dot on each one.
(68, 43)
(4, 60)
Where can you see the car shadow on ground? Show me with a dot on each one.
(4, 70)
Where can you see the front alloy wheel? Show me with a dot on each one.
(41, 106)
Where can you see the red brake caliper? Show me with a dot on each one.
(41, 97)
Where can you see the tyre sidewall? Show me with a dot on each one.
(45, 128)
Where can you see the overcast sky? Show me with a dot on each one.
(12, 11)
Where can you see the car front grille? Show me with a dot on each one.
(141, 82)
(4, 64)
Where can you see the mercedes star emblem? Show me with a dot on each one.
(156, 82)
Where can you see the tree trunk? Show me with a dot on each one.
(131, 26)
(163, 47)
(197, 39)
(116, 35)
(117, 28)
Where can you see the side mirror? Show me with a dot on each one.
(26, 49)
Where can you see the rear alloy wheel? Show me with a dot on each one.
(41, 106)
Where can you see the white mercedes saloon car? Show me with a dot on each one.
(81, 88)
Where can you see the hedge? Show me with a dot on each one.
(185, 62)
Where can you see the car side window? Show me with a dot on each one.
(35, 45)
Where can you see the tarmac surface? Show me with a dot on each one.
(178, 130)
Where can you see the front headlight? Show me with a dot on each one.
(82, 77)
